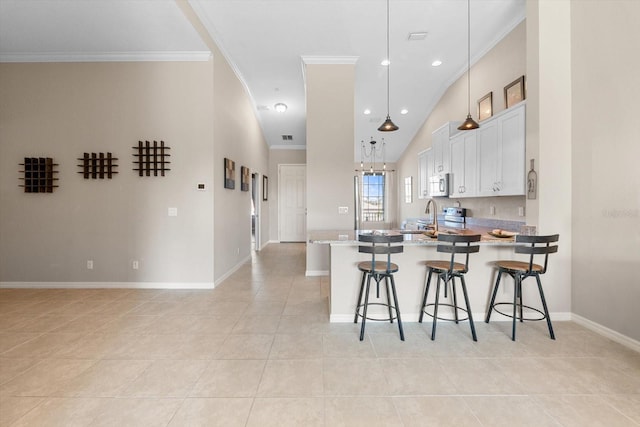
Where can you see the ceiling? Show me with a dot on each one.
(265, 41)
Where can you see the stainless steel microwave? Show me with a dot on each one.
(439, 185)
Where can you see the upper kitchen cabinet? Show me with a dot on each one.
(501, 154)
(464, 182)
(441, 148)
(425, 170)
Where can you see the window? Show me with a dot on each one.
(372, 197)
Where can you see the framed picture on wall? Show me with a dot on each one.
(229, 174)
(244, 178)
(265, 188)
(485, 106)
(514, 92)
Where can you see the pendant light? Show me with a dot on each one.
(469, 123)
(388, 125)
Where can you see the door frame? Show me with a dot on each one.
(281, 198)
(257, 204)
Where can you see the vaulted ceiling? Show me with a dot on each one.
(264, 40)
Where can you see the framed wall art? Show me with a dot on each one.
(244, 178)
(229, 174)
(485, 106)
(514, 92)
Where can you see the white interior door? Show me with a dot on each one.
(292, 196)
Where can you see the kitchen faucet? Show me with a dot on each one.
(435, 212)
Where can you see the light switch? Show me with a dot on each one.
(343, 210)
(173, 211)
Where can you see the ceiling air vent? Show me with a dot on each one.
(421, 35)
(287, 137)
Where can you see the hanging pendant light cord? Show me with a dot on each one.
(388, 59)
(469, 57)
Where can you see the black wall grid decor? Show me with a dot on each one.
(97, 165)
(151, 158)
(39, 175)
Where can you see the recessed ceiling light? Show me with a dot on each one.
(385, 62)
(436, 63)
(280, 107)
(367, 111)
(404, 111)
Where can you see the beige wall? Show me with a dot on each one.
(63, 110)
(200, 109)
(605, 172)
(330, 130)
(237, 136)
(499, 67)
(279, 157)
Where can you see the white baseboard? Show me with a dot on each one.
(235, 268)
(608, 333)
(107, 285)
(312, 273)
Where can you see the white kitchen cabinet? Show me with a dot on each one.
(425, 170)
(464, 165)
(501, 154)
(441, 147)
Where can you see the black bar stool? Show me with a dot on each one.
(448, 271)
(520, 270)
(379, 244)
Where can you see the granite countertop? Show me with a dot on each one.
(415, 237)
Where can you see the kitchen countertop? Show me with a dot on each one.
(411, 237)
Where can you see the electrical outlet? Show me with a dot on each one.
(492, 210)
(343, 210)
(172, 211)
(90, 264)
(520, 210)
(135, 265)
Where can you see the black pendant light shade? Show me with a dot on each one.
(469, 123)
(388, 125)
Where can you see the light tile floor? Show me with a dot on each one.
(259, 351)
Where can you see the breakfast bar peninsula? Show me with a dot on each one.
(418, 247)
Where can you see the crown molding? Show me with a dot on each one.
(188, 56)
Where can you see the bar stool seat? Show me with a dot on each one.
(377, 268)
(444, 265)
(533, 246)
(518, 266)
(447, 271)
(379, 271)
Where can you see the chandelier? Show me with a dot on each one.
(372, 152)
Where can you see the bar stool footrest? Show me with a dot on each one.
(460, 319)
(386, 319)
(534, 319)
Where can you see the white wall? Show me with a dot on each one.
(605, 172)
